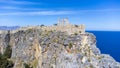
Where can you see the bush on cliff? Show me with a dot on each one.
(8, 52)
(27, 66)
(4, 62)
(70, 45)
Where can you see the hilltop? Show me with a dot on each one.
(36, 47)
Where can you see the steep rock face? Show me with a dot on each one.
(4, 41)
(55, 49)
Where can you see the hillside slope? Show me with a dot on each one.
(54, 49)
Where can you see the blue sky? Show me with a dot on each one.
(95, 14)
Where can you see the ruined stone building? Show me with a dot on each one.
(65, 25)
(62, 25)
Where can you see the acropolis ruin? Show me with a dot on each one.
(65, 25)
(62, 25)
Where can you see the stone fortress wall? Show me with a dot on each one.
(62, 25)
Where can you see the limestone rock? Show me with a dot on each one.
(55, 49)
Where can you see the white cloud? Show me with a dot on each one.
(52, 12)
(22, 8)
(8, 7)
(100, 10)
(18, 2)
(18, 8)
(39, 13)
(22, 2)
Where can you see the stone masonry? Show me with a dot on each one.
(62, 25)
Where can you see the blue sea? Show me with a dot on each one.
(108, 42)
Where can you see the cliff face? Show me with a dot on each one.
(54, 49)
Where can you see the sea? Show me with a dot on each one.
(108, 42)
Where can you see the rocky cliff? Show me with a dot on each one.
(35, 48)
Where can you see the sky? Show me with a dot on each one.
(94, 14)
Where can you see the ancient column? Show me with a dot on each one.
(58, 21)
(67, 22)
(82, 28)
(62, 24)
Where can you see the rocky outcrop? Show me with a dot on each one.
(55, 49)
(4, 40)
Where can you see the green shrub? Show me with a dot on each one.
(27, 66)
(79, 31)
(42, 25)
(91, 66)
(4, 62)
(70, 45)
(29, 31)
(8, 52)
(76, 33)
(76, 26)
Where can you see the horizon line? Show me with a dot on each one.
(45, 25)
